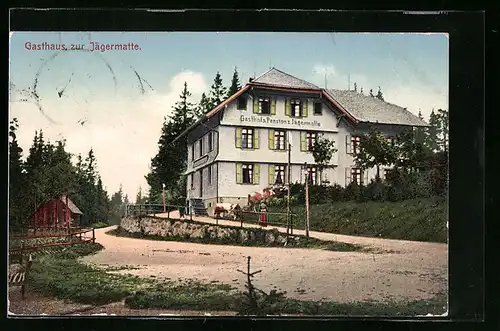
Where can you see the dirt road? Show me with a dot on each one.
(409, 271)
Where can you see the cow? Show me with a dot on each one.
(226, 209)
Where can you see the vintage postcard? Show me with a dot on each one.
(228, 174)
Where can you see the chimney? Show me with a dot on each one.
(250, 79)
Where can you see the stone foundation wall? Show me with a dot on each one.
(162, 227)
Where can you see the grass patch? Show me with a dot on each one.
(302, 243)
(416, 219)
(99, 225)
(65, 277)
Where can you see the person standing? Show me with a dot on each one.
(263, 214)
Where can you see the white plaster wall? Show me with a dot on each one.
(229, 152)
(325, 122)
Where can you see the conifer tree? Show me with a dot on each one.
(217, 92)
(355, 87)
(235, 84)
(433, 132)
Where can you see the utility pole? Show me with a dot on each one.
(307, 200)
(288, 214)
(163, 198)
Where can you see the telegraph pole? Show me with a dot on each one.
(307, 201)
(288, 214)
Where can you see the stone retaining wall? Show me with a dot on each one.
(155, 226)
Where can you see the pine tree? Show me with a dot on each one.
(361, 91)
(139, 198)
(217, 92)
(17, 208)
(203, 106)
(420, 133)
(355, 87)
(235, 84)
(433, 132)
(442, 119)
(379, 95)
(169, 164)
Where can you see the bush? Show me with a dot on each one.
(99, 225)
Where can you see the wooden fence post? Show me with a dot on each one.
(93, 235)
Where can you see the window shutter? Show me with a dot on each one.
(238, 138)
(256, 174)
(348, 144)
(271, 139)
(303, 142)
(255, 138)
(365, 177)
(239, 173)
(271, 174)
(273, 106)
(347, 176)
(256, 106)
(304, 108)
(287, 107)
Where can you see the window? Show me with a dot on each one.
(311, 139)
(356, 176)
(352, 144)
(192, 181)
(247, 138)
(209, 175)
(355, 144)
(247, 172)
(311, 175)
(242, 102)
(279, 174)
(264, 106)
(318, 108)
(201, 147)
(279, 139)
(295, 108)
(210, 141)
(192, 152)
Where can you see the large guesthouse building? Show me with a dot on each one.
(241, 146)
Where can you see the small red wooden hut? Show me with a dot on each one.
(57, 212)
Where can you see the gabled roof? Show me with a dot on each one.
(71, 205)
(278, 78)
(365, 108)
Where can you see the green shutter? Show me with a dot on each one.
(255, 138)
(271, 139)
(271, 174)
(238, 138)
(303, 142)
(256, 105)
(239, 174)
(256, 174)
(304, 109)
(287, 107)
(273, 106)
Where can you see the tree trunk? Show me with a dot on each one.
(377, 178)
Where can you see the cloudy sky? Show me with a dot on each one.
(122, 114)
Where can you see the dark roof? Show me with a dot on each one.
(71, 205)
(278, 78)
(365, 108)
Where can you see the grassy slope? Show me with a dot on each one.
(418, 219)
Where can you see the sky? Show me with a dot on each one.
(115, 101)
